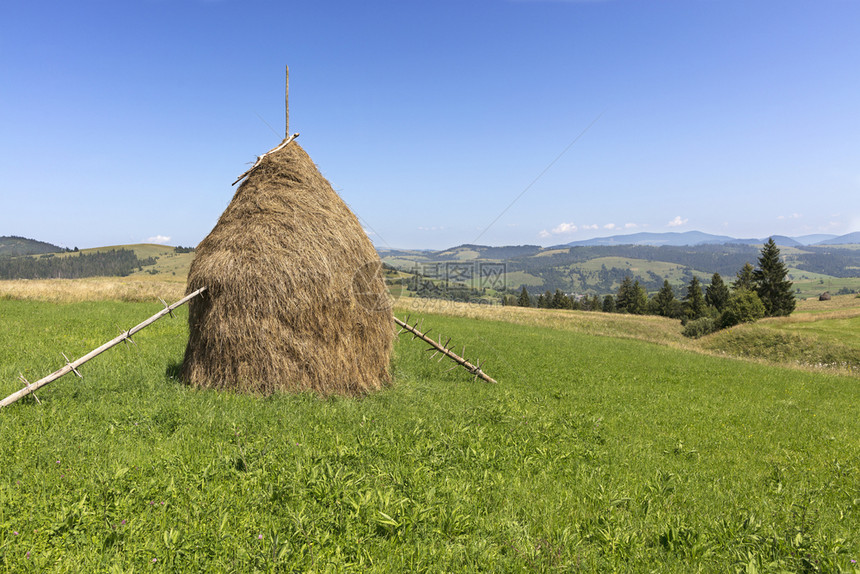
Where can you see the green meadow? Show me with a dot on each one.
(595, 453)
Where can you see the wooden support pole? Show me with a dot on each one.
(71, 367)
(446, 352)
(287, 105)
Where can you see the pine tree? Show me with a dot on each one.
(524, 300)
(625, 295)
(638, 303)
(745, 279)
(608, 304)
(771, 284)
(547, 300)
(665, 299)
(694, 301)
(717, 294)
(559, 300)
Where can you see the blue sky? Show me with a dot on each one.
(439, 122)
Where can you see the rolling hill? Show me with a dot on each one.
(14, 246)
(599, 269)
(595, 269)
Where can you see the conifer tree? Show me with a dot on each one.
(625, 295)
(609, 304)
(717, 294)
(694, 301)
(665, 299)
(547, 300)
(638, 303)
(771, 284)
(559, 300)
(524, 300)
(744, 278)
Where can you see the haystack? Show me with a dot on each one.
(295, 299)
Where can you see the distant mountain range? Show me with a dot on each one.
(842, 239)
(692, 238)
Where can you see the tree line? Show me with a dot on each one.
(113, 263)
(756, 292)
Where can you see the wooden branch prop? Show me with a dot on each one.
(72, 366)
(287, 104)
(260, 158)
(439, 347)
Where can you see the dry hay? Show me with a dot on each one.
(295, 299)
(132, 289)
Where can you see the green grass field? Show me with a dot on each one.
(813, 284)
(819, 335)
(593, 454)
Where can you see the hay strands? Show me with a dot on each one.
(72, 366)
(444, 349)
(257, 163)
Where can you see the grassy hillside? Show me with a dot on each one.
(169, 265)
(18, 246)
(594, 453)
(819, 334)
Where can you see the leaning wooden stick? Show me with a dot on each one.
(444, 350)
(72, 367)
(260, 159)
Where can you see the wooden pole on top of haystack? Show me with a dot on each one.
(287, 104)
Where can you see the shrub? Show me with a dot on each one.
(700, 327)
(744, 306)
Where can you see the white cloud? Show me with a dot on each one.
(792, 216)
(560, 229)
(564, 228)
(592, 226)
(677, 222)
(160, 239)
(631, 225)
(432, 228)
(609, 226)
